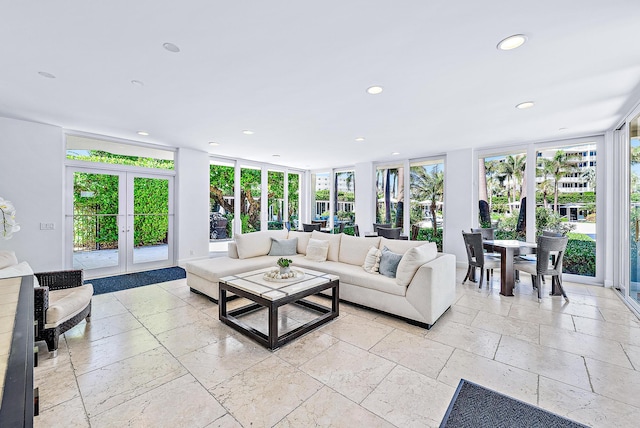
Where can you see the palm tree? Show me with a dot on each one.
(589, 175)
(428, 186)
(558, 167)
(513, 169)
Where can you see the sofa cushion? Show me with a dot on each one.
(257, 243)
(67, 303)
(232, 250)
(398, 245)
(353, 250)
(283, 247)
(334, 244)
(389, 262)
(7, 259)
(412, 260)
(303, 240)
(372, 260)
(217, 267)
(317, 250)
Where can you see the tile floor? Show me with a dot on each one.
(158, 356)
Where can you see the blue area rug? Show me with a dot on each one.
(133, 280)
(475, 406)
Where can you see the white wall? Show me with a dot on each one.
(192, 207)
(461, 199)
(32, 177)
(365, 195)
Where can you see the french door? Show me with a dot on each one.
(118, 221)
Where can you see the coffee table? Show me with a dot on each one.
(273, 295)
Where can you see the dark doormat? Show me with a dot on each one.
(133, 280)
(475, 406)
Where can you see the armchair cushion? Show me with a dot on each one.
(66, 303)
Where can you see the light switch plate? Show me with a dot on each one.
(47, 226)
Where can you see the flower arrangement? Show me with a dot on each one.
(285, 263)
(8, 225)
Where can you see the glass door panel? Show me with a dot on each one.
(634, 214)
(150, 220)
(96, 219)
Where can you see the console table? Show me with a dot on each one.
(16, 352)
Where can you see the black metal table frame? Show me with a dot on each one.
(273, 340)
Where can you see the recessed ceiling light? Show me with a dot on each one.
(374, 90)
(247, 132)
(276, 156)
(524, 105)
(171, 47)
(214, 144)
(395, 153)
(47, 75)
(143, 133)
(360, 139)
(137, 82)
(512, 42)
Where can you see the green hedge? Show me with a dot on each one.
(580, 257)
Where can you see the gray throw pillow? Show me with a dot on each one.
(389, 262)
(283, 247)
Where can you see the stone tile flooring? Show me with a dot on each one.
(158, 356)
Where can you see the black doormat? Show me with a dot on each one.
(133, 280)
(475, 406)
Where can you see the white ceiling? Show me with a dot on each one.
(296, 72)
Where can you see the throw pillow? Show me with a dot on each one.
(283, 247)
(7, 258)
(317, 250)
(412, 260)
(372, 260)
(389, 262)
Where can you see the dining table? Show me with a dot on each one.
(508, 250)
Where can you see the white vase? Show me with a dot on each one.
(284, 270)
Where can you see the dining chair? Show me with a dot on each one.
(356, 230)
(311, 227)
(377, 225)
(549, 255)
(488, 233)
(341, 227)
(389, 232)
(477, 258)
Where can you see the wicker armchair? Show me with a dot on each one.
(60, 303)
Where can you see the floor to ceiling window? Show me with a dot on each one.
(566, 201)
(320, 196)
(390, 195)
(221, 200)
(250, 192)
(427, 200)
(502, 194)
(276, 214)
(293, 200)
(634, 212)
(344, 201)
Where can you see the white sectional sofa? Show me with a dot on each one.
(429, 293)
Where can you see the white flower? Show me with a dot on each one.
(8, 225)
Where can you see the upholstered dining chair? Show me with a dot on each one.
(549, 254)
(477, 258)
(311, 227)
(61, 301)
(389, 232)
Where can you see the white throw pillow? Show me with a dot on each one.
(372, 260)
(412, 260)
(317, 250)
(7, 258)
(334, 243)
